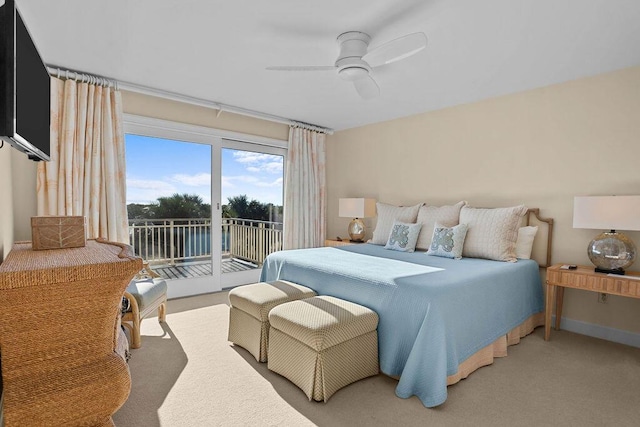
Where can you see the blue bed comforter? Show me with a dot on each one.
(434, 312)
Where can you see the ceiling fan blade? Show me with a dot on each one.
(396, 50)
(302, 68)
(366, 87)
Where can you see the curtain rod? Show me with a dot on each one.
(63, 73)
(80, 76)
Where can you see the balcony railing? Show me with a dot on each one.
(173, 241)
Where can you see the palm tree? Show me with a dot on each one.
(241, 207)
(181, 206)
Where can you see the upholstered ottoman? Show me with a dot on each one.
(250, 306)
(145, 296)
(322, 344)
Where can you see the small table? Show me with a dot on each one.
(584, 278)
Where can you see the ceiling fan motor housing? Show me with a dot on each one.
(353, 46)
(355, 63)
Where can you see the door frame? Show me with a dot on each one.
(216, 138)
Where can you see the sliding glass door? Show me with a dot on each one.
(204, 210)
(251, 188)
(169, 209)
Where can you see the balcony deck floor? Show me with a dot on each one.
(199, 269)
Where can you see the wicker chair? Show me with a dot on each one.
(146, 293)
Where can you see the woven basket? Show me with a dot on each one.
(58, 232)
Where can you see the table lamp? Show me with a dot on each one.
(611, 252)
(356, 209)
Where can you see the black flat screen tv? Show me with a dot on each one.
(24, 87)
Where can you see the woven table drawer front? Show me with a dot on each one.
(259, 298)
(617, 285)
(324, 321)
(97, 259)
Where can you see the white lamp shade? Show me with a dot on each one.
(607, 212)
(356, 208)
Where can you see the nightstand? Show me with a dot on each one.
(336, 242)
(587, 279)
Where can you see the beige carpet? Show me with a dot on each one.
(187, 374)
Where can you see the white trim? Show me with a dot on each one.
(189, 286)
(145, 90)
(598, 331)
(146, 125)
(230, 280)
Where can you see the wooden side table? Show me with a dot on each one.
(342, 242)
(584, 278)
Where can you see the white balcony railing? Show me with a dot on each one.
(174, 241)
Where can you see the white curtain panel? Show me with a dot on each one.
(86, 174)
(305, 190)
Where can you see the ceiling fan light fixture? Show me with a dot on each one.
(353, 73)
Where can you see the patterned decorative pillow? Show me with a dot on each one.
(387, 214)
(403, 237)
(447, 216)
(492, 232)
(524, 244)
(448, 242)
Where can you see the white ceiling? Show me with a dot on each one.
(218, 49)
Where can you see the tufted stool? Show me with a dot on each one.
(249, 312)
(322, 344)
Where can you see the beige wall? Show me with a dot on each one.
(6, 201)
(23, 176)
(541, 148)
(143, 105)
(17, 197)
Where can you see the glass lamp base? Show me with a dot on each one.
(611, 252)
(356, 230)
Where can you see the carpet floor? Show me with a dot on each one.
(187, 374)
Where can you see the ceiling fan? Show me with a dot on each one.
(355, 63)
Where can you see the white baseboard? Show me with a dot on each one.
(599, 331)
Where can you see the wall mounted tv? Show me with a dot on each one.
(24, 87)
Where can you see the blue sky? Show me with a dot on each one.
(158, 167)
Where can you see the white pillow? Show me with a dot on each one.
(447, 216)
(492, 232)
(403, 237)
(524, 244)
(448, 242)
(387, 214)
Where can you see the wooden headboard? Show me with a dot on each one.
(540, 254)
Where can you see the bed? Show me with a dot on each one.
(440, 318)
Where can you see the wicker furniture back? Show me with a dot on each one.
(59, 322)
